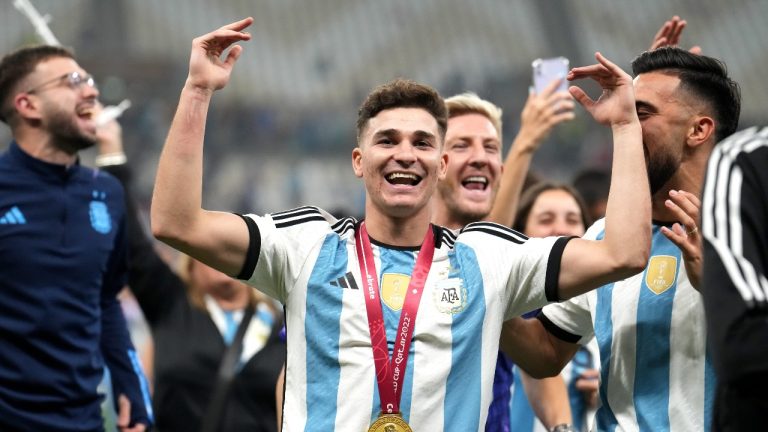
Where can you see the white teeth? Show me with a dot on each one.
(402, 175)
(476, 179)
(85, 112)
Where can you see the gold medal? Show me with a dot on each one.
(390, 423)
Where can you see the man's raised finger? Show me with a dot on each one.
(239, 25)
(609, 65)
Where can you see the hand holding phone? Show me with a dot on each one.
(547, 70)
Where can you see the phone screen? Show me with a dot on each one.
(547, 70)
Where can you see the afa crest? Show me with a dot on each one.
(661, 273)
(99, 214)
(393, 289)
(450, 296)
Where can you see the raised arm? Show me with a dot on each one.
(177, 217)
(624, 249)
(540, 115)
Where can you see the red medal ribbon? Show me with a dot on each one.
(389, 374)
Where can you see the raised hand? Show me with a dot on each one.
(109, 136)
(588, 384)
(685, 233)
(543, 112)
(207, 70)
(669, 35)
(616, 104)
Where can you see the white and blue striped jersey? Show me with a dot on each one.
(655, 373)
(306, 259)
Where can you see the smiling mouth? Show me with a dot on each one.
(475, 183)
(399, 178)
(86, 113)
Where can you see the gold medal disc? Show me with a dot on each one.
(390, 423)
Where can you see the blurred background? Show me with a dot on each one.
(280, 135)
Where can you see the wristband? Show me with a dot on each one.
(563, 427)
(110, 159)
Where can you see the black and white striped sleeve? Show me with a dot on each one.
(281, 244)
(734, 218)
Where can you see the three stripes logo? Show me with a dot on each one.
(14, 216)
(346, 281)
(297, 216)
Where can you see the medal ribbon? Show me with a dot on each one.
(389, 374)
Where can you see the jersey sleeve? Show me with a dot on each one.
(119, 354)
(527, 269)
(280, 246)
(733, 222)
(571, 320)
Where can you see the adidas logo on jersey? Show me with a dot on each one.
(346, 281)
(14, 216)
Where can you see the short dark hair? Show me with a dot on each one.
(530, 196)
(402, 93)
(17, 65)
(593, 184)
(704, 77)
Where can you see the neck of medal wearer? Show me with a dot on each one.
(398, 231)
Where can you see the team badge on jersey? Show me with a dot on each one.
(393, 289)
(99, 214)
(450, 296)
(661, 273)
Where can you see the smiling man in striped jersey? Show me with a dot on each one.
(655, 371)
(340, 337)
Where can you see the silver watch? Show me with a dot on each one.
(563, 427)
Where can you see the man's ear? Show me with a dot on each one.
(443, 166)
(701, 131)
(26, 106)
(357, 161)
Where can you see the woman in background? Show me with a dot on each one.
(551, 209)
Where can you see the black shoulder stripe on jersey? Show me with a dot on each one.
(343, 225)
(448, 234)
(444, 236)
(494, 228)
(552, 278)
(254, 248)
(301, 220)
(301, 211)
(557, 331)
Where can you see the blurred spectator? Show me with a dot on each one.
(593, 184)
(196, 315)
(551, 209)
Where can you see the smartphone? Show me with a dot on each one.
(547, 70)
